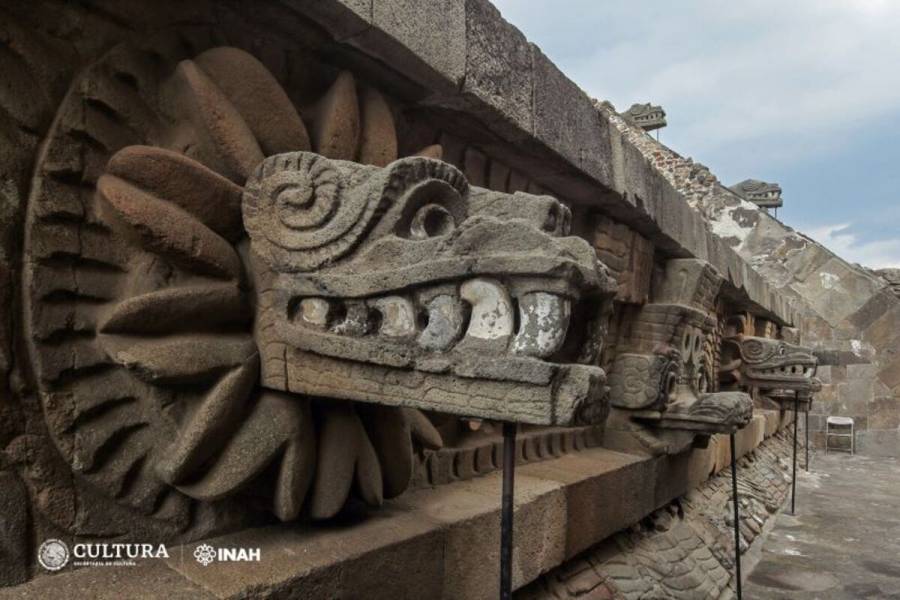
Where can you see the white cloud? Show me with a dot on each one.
(876, 254)
(805, 71)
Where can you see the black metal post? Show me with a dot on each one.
(737, 519)
(806, 430)
(794, 470)
(506, 510)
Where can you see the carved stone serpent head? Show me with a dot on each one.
(405, 286)
(767, 364)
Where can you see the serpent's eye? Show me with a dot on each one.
(754, 350)
(431, 220)
(780, 350)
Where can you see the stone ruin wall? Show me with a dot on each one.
(458, 83)
(851, 315)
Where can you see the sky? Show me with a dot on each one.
(803, 93)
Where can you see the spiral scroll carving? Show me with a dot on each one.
(298, 214)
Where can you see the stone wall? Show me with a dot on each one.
(694, 534)
(850, 314)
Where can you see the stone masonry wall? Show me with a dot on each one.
(850, 315)
(684, 550)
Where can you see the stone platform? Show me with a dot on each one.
(437, 542)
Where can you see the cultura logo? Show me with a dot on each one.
(205, 554)
(53, 554)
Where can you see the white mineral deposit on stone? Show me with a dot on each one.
(544, 320)
(726, 226)
(314, 311)
(492, 317)
(445, 321)
(829, 280)
(398, 316)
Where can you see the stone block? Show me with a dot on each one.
(434, 31)
(745, 441)
(471, 550)
(807, 261)
(605, 492)
(873, 309)
(878, 442)
(498, 69)
(885, 330)
(312, 562)
(787, 417)
(855, 395)
(884, 413)
(816, 422)
(407, 570)
(440, 542)
(865, 371)
(771, 420)
(113, 583)
(14, 504)
(342, 18)
(682, 472)
(566, 120)
(836, 290)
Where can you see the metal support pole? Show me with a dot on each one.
(506, 510)
(806, 430)
(794, 470)
(737, 519)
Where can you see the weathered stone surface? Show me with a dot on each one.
(628, 255)
(112, 583)
(434, 32)
(683, 550)
(442, 536)
(343, 18)
(565, 119)
(877, 442)
(14, 526)
(593, 504)
(499, 70)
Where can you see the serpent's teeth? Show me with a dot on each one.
(398, 316)
(445, 321)
(543, 323)
(314, 311)
(356, 321)
(491, 323)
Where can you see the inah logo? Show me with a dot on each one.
(53, 554)
(205, 554)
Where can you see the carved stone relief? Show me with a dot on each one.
(180, 360)
(661, 378)
(646, 116)
(766, 364)
(776, 372)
